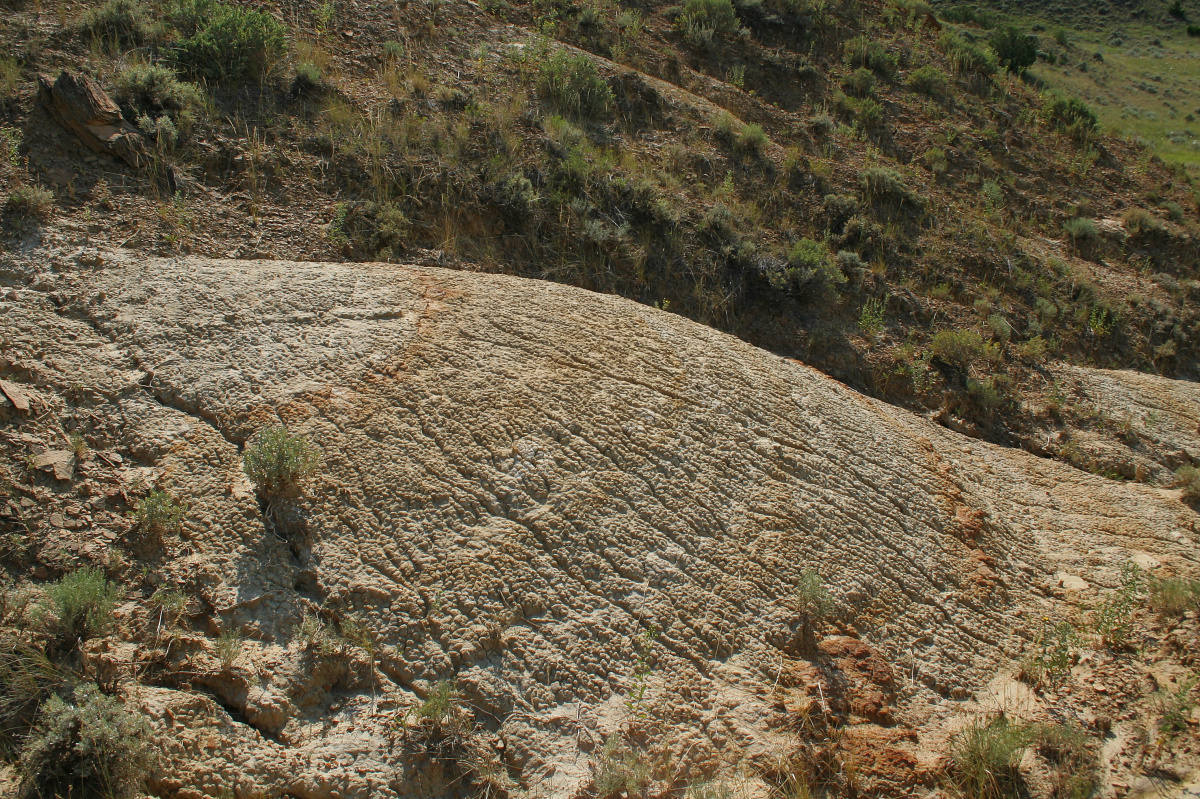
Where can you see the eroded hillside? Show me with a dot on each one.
(559, 544)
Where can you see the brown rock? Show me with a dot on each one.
(60, 461)
(15, 396)
(79, 104)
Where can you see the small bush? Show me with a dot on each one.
(1171, 597)
(988, 394)
(870, 115)
(701, 20)
(929, 80)
(1193, 30)
(225, 42)
(957, 347)
(861, 51)
(87, 745)
(10, 76)
(871, 319)
(1016, 51)
(967, 58)
(82, 603)
(126, 22)
(277, 462)
(812, 597)
(31, 202)
(1000, 327)
(159, 513)
(571, 84)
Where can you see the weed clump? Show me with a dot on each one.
(1070, 115)
(224, 42)
(1171, 597)
(121, 21)
(158, 513)
(155, 90)
(31, 202)
(862, 51)
(571, 84)
(957, 347)
(86, 745)
(81, 603)
(620, 770)
(986, 756)
(278, 462)
(702, 20)
(929, 80)
(883, 185)
(966, 57)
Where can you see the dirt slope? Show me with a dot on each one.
(520, 480)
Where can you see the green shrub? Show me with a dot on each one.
(869, 116)
(701, 20)
(154, 90)
(1081, 230)
(1069, 115)
(1173, 596)
(159, 513)
(571, 84)
(1000, 327)
(277, 462)
(871, 318)
(751, 139)
(967, 15)
(1193, 30)
(226, 42)
(87, 745)
(1175, 708)
(989, 393)
(1015, 51)
(862, 51)
(809, 261)
(860, 83)
(957, 347)
(82, 603)
(126, 22)
(966, 57)
(31, 202)
(929, 80)
(883, 185)
(1035, 348)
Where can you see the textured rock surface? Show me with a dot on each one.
(520, 479)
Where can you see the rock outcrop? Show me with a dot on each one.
(521, 484)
